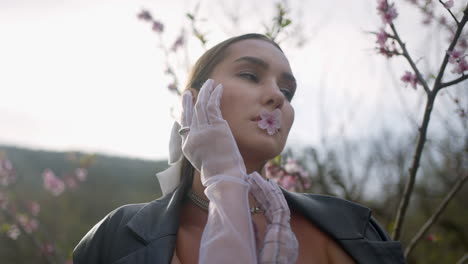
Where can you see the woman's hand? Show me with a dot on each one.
(280, 244)
(207, 140)
(208, 144)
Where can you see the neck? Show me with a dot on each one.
(199, 189)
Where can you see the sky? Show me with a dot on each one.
(87, 75)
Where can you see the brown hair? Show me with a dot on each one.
(201, 72)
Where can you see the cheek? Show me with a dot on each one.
(289, 117)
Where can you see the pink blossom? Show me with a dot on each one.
(270, 121)
(180, 41)
(3, 200)
(172, 87)
(52, 183)
(145, 15)
(29, 225)
(7, 172)
(70, 182)
(158, 27)
(291, 166)
(13, 232)
(288, 182)
(48, 248)
(387, 12)
(34, 208)
(81, 174)
(382, 37)
(461, 67)
(448, 4)
(410, 78)
(454, 56)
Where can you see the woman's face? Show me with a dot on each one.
(256, 77)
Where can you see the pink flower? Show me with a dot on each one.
(172, 87)
(34, 208)
(461, 66)
(3, 200)
(288, 182)
(145, 15)
(270, 121)
(13, 232)
(7, 172)
(180, 41)
(454, 56)
(70, 182)
(29, 225)
(158, 27)
(448, 4)
(81, 174)
(291, 166)
(382, 37)
(410, 78)
(48, 249)
(387, 12)
(52, 183)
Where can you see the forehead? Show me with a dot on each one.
(257, 48)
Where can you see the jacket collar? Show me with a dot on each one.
(339, 218)
(158, 218)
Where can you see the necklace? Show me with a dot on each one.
(204, 203)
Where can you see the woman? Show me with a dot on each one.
(242, 90)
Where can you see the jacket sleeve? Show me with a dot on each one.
(93, 248)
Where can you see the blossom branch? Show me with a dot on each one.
(448, 9)
(447, 84)
(33, 239)
(431, 95)
(461, 25)
(457, 186)
(421, 80)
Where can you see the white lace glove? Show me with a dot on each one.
(280, 244)
(209, 145)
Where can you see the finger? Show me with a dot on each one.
(213, 106)
(200, 116)
(187, 109)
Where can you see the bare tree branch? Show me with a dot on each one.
(447, 84)
(454, 18)
(456, 187)
(463, 259)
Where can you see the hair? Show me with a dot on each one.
(200, 72)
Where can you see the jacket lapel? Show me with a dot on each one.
(156, 225)
(347, 222)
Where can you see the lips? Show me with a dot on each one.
(256, 119)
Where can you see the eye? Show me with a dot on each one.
(249, 76)
(287, 93)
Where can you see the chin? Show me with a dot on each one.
(262, 148)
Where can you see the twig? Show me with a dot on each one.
(421, 80)
(463, 259)
(454, 18)
(33, 239)
(456, 187)
(461, 25)
(447, 84)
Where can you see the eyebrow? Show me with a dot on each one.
(263, 64)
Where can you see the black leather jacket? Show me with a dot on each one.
(146, 233)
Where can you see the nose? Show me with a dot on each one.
(273, 96)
